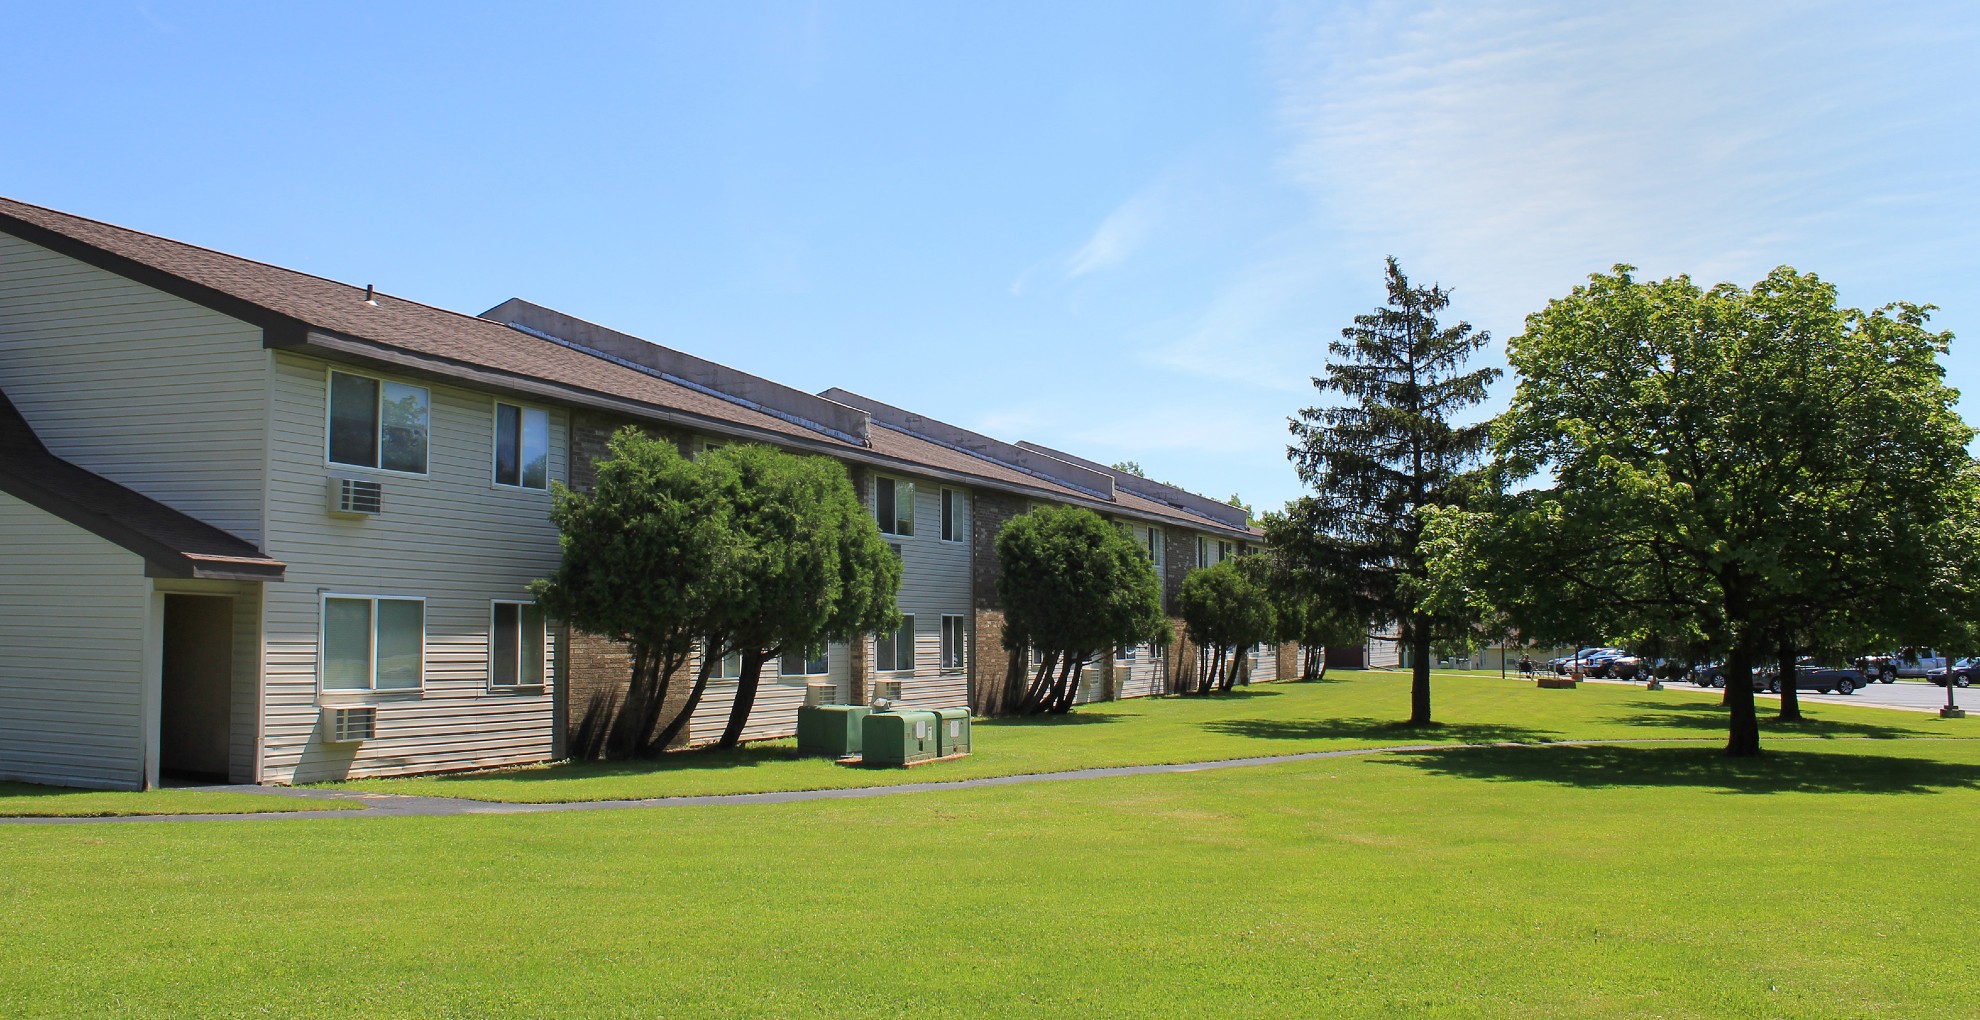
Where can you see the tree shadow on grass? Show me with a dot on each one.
(699, 760)
(1776, 771)
(1378, 729)
(1047, 721)
(1694, 716)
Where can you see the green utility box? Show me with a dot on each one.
(898, 738)
(951, 731)
(833, 731)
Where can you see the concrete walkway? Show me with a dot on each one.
(387, 805)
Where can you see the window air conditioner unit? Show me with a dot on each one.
(356, 497)
(350, 724)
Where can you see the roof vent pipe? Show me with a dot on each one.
(367, 296)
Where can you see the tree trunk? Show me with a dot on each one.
(1039, 697)
(1069, 678)
(709, 663)
(1743, 737)
(1790, 696)
(1419, 670)
(746, 686)
(1322, 674)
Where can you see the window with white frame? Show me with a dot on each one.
(373, 643)
(378, 424)
(1202, 551)
(893, 505)
(894, 653)
(955, 642)
(1153, 539)
(805, 662)
(953, 527)
(522, 446)
(517, 648)
(1123, 653)
(1226, 550)
(730, 668)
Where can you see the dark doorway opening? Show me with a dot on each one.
(196, 683)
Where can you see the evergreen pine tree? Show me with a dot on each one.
(1387, 450)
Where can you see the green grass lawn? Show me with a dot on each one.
(1824, 879)
(29, 800)
(1346, 710)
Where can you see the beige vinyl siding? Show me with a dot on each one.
(934, 581)
(1266, 663)
(74, 610)
(1140, 678)
(453, 538)
(159, 394)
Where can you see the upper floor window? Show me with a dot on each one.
(1156, 554)
(1202, 551)
(1226, 550)
(893, 505)
(378, 424)
(952, 515)
(522, 446)
(373, 643)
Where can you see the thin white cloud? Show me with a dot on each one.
(1250, 331)
(1518, 149)
(1124, 231)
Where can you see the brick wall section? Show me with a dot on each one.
(597, 669)
(990, 668)
(1179, 558)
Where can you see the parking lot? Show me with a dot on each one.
(1916, 695)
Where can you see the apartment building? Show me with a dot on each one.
(267, 527)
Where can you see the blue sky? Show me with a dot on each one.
(1123, 229)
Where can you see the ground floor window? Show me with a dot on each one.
(806, 662)
(373, 643)
(953, 642)
(894, 653)
(516, 645)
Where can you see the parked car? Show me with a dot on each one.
(1812, 675)
(1624, 667)
(1710, 674)
(1583, 656)
(1882, 668)
(1962, 673)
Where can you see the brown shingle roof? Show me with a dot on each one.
(172, 544)
(311, 313)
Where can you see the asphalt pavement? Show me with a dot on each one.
(1916, 695)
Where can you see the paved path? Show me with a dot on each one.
(387, 805)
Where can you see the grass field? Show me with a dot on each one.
(26, 800)
(1823, 880)
(1347, 710)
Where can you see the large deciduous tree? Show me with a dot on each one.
(1072, 585)
(1739, 468)
(639, 552)
(1389, 450)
